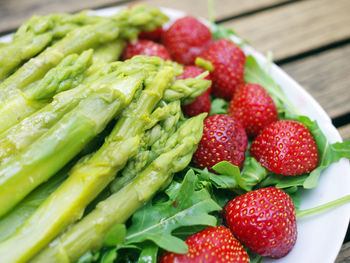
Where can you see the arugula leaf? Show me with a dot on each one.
(218, 106)
(185, 232)
(230, 177)
(185, 207)
(109, 256)
(282, 181)
(222, 32)
(328, 153)
(253, 173)
(88, 257)
(253, 73)
(115, 235)
(220, 181)
(148, 254)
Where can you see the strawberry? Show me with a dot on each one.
(228, 61)
(192, 71)
(264, 220)
(145, 47)
(286, 147)
(201, 103)
(253, 107)
(211, 245)
(154, 35)
(224, 139)
(186, 39)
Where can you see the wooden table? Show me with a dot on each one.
(310, 40)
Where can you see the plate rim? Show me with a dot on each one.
(325, 125)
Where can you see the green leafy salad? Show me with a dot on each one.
(99, 148)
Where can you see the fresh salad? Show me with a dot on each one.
(184, 150)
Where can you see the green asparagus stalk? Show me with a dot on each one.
(17, 138)
(62, 77)
(66, 75)
(153, 145)
(106, 53)
(18, 215)
(36, 34)
(187, 90)
(126, 24)
(57, 24)
(84, 183)
(21, 50)
(65, 139)
(89, 233)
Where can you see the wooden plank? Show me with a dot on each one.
(298, 27)
(344, 255)
(14, 13)
(345, 134)
(223, 8)
(326, 77)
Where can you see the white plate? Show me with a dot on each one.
(320, 236)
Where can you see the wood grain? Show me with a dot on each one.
(326, 77)
(345, 134)
(223, 8)
(14, 12)
(344, 254)
(295, 28)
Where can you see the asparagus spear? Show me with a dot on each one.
(153, 145)
(187, 90)
(89, 233)
(126, 24)
(17, 216)
(17, 138)
(21, 50)
(66, 138)
(57, 24)
(105, 53)
(66, 75)
(84, 183)
(36, 34)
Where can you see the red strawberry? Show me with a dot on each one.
(154, 35)
(145, 47)
(192, 71)
(264, 220)
(211, 245)
(224, 139)
(186, 39)
(253, 107)
(199, 105)
(202, 103)
(228, 61)
(286, 147)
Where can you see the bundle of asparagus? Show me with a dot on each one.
(56, 103)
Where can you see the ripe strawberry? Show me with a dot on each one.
(145, 47)
(154, 35)
(253, 107)
(192, 71)
(186, 39)
(211, 245)
(228, 61)
(286, 147)
(264, 220)
(224, 139)
(201, 103)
